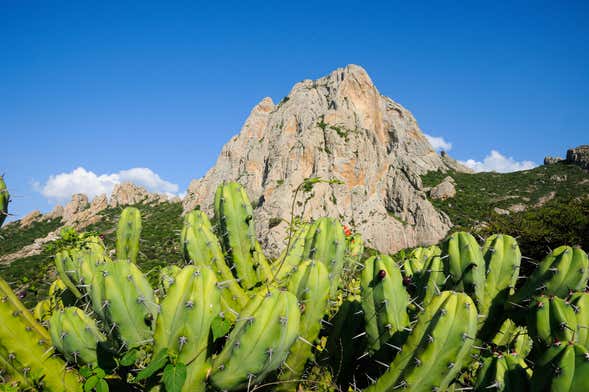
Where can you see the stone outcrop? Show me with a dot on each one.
(579, 156)
(336, 127)
(78, 204)
(444, 190)
(80, 214)
(30, 218)
(128, 193)
(548, 160)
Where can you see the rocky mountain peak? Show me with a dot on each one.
(338, 126)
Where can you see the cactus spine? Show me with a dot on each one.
(564, 269)
(437, 347)
(326, 242)
(68, 271)
(259, 343)
(123, 298)
(235, 226)
(502, 259)
(311, 286)
(564, 367)
(502, 372)
(184, 321)
(552, 319)
(465, 265)
(290, 258)
(128, 233)
(201, 246)
(384, 300)
(25, 349)
(75, 335)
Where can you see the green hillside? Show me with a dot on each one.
(159, 245)
(554, 199)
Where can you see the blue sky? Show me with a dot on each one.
(113, 86)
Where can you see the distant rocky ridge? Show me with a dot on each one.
(578, 156)
(80, 213)
(336, 127)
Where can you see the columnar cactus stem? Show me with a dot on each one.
(563, 367)
(437, 347)
(326, 242)
(565, 269)
(311, 286)
(201, 247)
(128, 233)
(289, 260)
(26, 347)
(184, 321)
(384, 300)
(235, 227)
(260, 341)
(75, 335)
(502, 372)
(465, 266)
(552, 319)
(123, 298)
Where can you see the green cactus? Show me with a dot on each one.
(123, 298)
(260, 341)
(128, 233)
(580, 304)
(201, 247)
(55, 301)
(290, 258)
(384, 300)
(465, 266)
(26, 351)
(436, 349)
(88, 260)
(502, 259)
(184, 321)
(235, 226)
(563, 270)
(417, 259)
(4, 200)
(564, 367)
(346, 342)
(552, 319)
(430, 280)
(354, 252)
(68, 271)
(325, 242)
(311, 286)
(167, 277)
(75, 335)
(502, 372)
(513, 338)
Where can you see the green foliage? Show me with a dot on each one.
(479, 193)
(545, 228)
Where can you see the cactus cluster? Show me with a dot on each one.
(321, 316)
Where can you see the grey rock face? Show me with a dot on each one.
(579, 156)
(336, 127)
(444, 190)
(548, 160)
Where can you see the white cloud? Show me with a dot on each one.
(438, 143)
(498, 162)
(61, 187)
